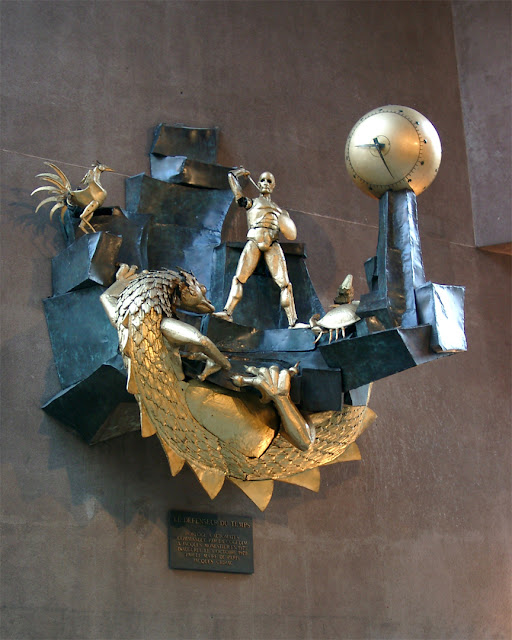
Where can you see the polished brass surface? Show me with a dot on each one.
(309, 479)
(210, 479)
(393, 147)
(274, 384)
(338, 318)
(175, 462)
(259, 492)
(265, 220)
(341, 315)
(217, 433)
(351, 453)
(90, 198)
(241, 422)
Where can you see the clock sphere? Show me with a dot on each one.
(393, 148)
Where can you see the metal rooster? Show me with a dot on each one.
(90, 198)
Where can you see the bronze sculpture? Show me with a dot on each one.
(265, 220)
(89, 199)
(231, 398)
(220, 434)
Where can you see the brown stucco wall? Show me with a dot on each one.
(411, 542)
(482, 39)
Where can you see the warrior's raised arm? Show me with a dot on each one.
(236, 188)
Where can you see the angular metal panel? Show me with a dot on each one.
(179, 140)
(178, 204)
(398, 267)
(368, 358)
(182, 170)
(235, 338)
(87, 405)
(133, 228)
(442, 306)
(171, 246)
(88, 261)
(82, 338)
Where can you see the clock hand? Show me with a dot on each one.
(371, 145)
(378, 146)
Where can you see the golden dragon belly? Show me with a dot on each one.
(154, 377)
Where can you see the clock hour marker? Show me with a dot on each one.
(390, 145)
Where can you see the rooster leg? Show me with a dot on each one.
(87, 214)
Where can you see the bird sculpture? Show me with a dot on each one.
(90, 198)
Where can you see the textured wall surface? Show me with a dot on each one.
(483, 44)
(411, 542)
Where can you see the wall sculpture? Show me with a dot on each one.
(268, 387)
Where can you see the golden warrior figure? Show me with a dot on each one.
(265, 220)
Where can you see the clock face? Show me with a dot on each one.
(393, 148)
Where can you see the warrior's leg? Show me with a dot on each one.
(246, 265)
(276, 264)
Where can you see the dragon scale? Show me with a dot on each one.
(156, 379)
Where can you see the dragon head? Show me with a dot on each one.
(192, 295)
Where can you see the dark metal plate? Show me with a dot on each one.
(82, 338)
(182, 170)
(178, 140)
(88, 261)
(210, 542)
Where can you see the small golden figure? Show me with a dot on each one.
(265, 220)
(90, 198)
(342, 314)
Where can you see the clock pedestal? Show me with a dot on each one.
(397, 269)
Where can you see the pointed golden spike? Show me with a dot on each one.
(61, 173)
(309, 479)
(45, 201)
(131, 384)
(54, 209)
(259, 491)
(369, 418)
(351, 453)
(210, 480)
(147, 429)
(175, 461)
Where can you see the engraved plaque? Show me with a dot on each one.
(210, 542)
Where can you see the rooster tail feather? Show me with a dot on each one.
(47, 188)
(56, 183)
(61, 174)
(53, 176)
(46, 200)
(59, 205)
